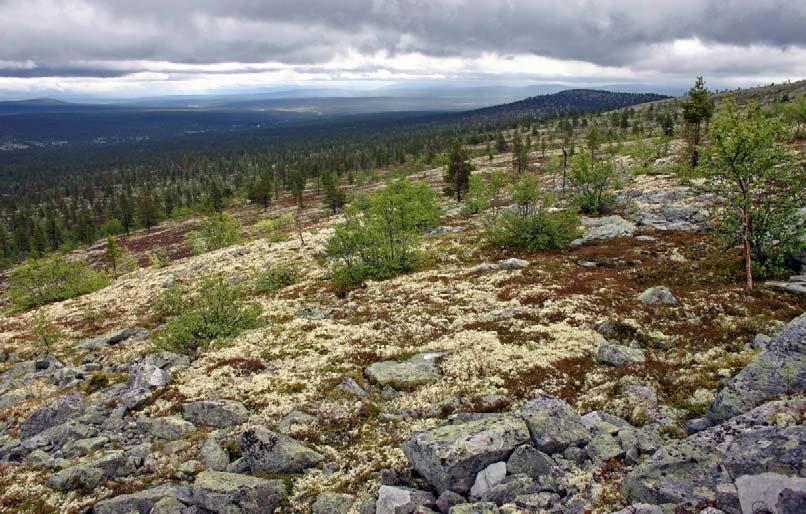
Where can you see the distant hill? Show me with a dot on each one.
(563, 103)
(35, 101)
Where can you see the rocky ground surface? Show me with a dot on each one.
(630, 373)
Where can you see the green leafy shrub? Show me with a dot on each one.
(476, 199)
(216, 311)
(591, 180)
(45, 331)
(51, 279)
(274, 230)
(381, 234)
(217, 231)
(533, 226)
(274, 278)
(159, 258)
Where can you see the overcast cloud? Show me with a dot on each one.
(138, 47)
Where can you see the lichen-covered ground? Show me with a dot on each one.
(508, 333)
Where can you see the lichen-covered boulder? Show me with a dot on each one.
(450, 456)
(554, 425)
(779, 369)
(392, 500)
(694, 469)
(141, 501)
(600, 229)
(215, 413)
(55, 413)
(332, 503)
(270, 452)
(657, 295)
(230, 493)
(618, 355)
(406, 375)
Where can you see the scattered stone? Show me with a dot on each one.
(554, 425)
(475, 508)
(450, 456)
(170, 428)
(640, 508)
(646, 238)
(618, 355)
(760, 342)
(448, 499)
(108, 339)
(168, 505)
(351, 387)
(779, 369)
(510, 488)
(536, 502)
(693, 469)
(761, 491)
(215, 413)
(84, 478)
(141, 501)
(600, 229)
(52, 414)
(392, 500)
(314, 313)
(229, 493)
(407, 375)
(488, 478)
(484, 268)
(295, 421)
(600, 421)
(602, 447)
(657, 295)
(513, 264)
(84, 447)
(269, 452)
(587, 264)
(530, 462)
(698, 425)
(332, 503)
(213, 456)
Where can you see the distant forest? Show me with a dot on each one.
(58, 197)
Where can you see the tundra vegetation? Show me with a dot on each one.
(314, 349)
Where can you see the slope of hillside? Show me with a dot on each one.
(572, 101)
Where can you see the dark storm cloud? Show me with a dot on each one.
(57, 34)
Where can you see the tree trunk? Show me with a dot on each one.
(748, 265)
(695, 153)
(565, 166)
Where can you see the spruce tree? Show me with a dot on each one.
(697, 109)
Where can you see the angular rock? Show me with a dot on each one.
(657, 295)
(228, 493)
(83, 447)
(450, 456)
(763, 490)
(535, 502)
(530, 462)
(213, 456)
(294, 421)
(170, 428)
(332, 503)
(351, 387)
(600, 421)
(55, 413)
(215, 413)
(83, 478)
(488, 478)
(554, 425)
(108, 339)
(270, 452)
(475, 508)
(640, 508)
(694, 469)
(448, 499)
(142, 501)
(618, 355)
(513, 264)
(779, 369)
(510, 488)
(602, 447)
(600, 229)
(484, 268)
(392, 500)
(168, 505)
(407, 375)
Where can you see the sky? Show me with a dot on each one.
(137, 48)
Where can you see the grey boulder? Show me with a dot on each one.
(215, 413)
(407, 375)
(392, 500)
(450, 456)
(657, 295)
(618, 355)
(270, 452)
(230, 493)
